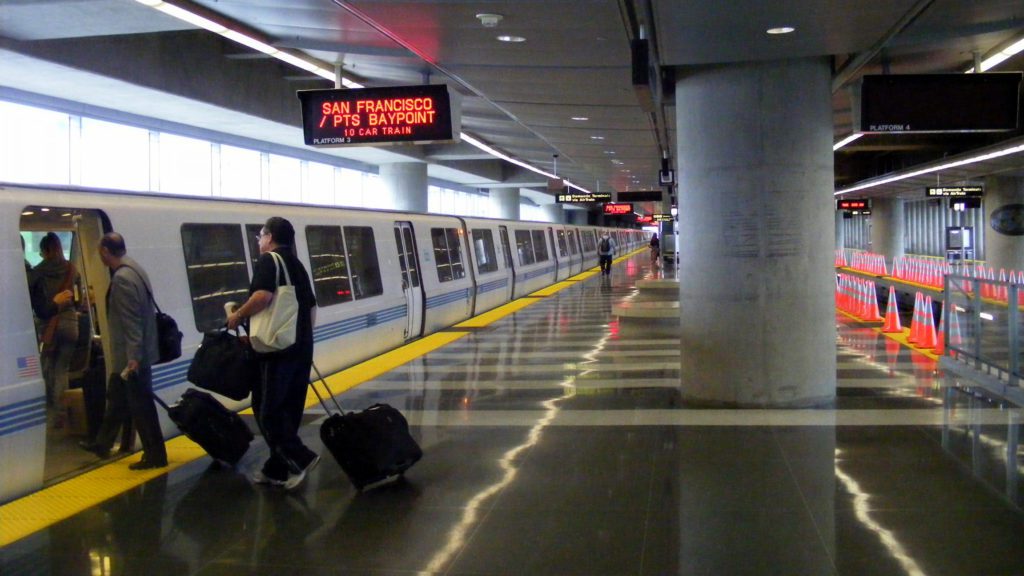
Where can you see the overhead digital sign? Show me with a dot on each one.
(663, 217)
(954, 191)
(853, 204)
(640, 196)
(584, 198)
(646, 219)
(617, 208)
(915, 103)
(396, 114)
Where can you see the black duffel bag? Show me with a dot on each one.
(225, 365)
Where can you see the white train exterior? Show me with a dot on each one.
(432, 271)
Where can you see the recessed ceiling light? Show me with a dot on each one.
(580, 118)
(781, 30)
(612, 152)
(507, 38)
(597, 137)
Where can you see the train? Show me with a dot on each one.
(382, 278)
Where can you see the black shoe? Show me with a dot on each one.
(94, 448)
(147, 464)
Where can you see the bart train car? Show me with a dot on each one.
(381, 278)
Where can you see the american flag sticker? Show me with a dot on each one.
(28, 366)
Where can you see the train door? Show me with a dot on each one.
(554, 254)
(76, 348)
(506, 248)
(409, 262)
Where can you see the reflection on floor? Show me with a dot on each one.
(554, 444)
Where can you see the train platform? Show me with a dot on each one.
(556, 442)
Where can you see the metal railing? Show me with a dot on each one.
(983, 326)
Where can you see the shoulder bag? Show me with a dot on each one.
(275, 327)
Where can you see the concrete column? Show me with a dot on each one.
(1002, 250)
(407, 183)
(576, 217)
(555, 213)
(756, 277)
(506, 201)
(887, 228)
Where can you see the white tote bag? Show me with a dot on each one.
(275, 327)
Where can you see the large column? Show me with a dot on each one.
(756, 282)
(1002, 250)
(887, 227)
(840, 230)
(407, 183)
(555, 213)
(506, 201)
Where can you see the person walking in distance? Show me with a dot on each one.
(655, 250)
(131, 327)
(279, 398)
(605, 250)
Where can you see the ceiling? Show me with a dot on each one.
(519, 98)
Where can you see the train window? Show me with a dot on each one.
(540, 246)
(455, 252)
(589, 244)
(447, 254)
(327, 263)
(252, 237)
(362, 260)
(524, 245)
(562, 249)
(483, 242)
(573, 248)
(217, 274)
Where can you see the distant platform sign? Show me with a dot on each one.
(954, 191)
(853, 204)
(915, 103)
(640, 196)
(584, 198)
(618, 208)
(663, 217)
(368, 116)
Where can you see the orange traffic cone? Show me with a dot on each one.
(928, 325)
(940, 336)
(892, 314)
(871, 310)
(915, 321)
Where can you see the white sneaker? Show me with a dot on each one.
(294, 480)
(258, 477)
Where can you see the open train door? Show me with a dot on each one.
(411, 285)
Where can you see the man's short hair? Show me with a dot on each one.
(50, 242)
(114, 243)
(281, 230)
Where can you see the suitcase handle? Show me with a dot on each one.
(328, 389)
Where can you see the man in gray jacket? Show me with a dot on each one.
(131, 327)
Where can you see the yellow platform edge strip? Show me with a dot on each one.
(901, 337)
(39, 510)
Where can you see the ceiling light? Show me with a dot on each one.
(580, 118)
(980, 158)
(27, 213)
(780, 30)
(597, 137)
(1001, 56)
(609, 152)
(514, 39)
(489, 20)
(846, 140)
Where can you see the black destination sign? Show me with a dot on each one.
(584, 198)
(640, 196)
(909, 103)
(954, 191)
(360, 116)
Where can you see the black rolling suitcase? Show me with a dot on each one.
(219, 431)
(370, 446)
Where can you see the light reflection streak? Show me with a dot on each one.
(457, 535)
(885, 536)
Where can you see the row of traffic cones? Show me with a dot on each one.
(923, 333)
(856, 296)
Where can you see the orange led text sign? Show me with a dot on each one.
(359, 116)
(618, 209)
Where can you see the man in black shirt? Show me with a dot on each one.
(279, 398)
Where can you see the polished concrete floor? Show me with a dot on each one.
(555, 443)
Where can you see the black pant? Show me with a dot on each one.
(278, 403)
(606, 263)
(133, 397)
